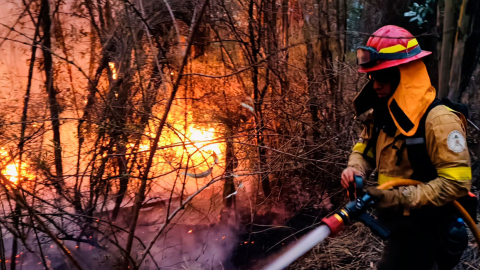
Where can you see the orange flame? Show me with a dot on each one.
(113, 69)
(11, 172)
(12, 169)
(202, 139)
(198, 147)
(201, 148)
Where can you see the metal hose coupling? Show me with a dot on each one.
(356, 210)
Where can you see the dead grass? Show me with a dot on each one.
(354, 248)
(357, 248)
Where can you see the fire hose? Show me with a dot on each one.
(353, 211)
(460, 210)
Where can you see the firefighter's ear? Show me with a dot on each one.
(365, 99)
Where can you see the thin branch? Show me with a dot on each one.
(174, 21)
(141, 193)
(226, 75)
(24, 204)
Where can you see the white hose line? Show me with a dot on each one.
(303, 246)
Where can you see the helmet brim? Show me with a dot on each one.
(393, 63)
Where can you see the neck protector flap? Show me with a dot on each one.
(411, 98)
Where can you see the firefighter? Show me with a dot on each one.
(409, 134)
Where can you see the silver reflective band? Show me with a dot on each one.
(412, 141)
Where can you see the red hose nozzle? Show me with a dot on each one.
(335, 223)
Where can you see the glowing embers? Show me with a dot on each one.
(113, 69)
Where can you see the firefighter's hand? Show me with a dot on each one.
(386, 198)
(348, 177)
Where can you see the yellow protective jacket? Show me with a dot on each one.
(445, 133)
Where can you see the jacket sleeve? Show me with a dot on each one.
(356, 159)
(446, 145)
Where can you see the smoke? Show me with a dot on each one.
(202, 236)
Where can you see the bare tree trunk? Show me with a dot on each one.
(439, 30)
(108, 14)
(328, 57)
(325, 58)
(60, 38)
(471, 55)
(229, 186)
(52, 98)
(258, 98)
(93, 41)
(2, 251)
(285, 25)
(447, 48)
(124, 178)
(309, 67)
(89, 5)
(15, 241)
(339, 58)
(433, 43)
(463, 32)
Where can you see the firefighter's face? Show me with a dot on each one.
(383, 89)
(382, 81)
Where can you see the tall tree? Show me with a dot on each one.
(447, 47)
(464, 51)
(54, 106)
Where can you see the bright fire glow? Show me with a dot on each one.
(201, 148)
(11, 170)
(196, 151)
(202, 140)
(113, 69)
(198, 142)
(144, 147)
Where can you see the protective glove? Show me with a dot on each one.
(387, 198)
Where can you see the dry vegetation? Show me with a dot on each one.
(188, 134)
(357, 248)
